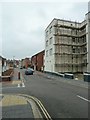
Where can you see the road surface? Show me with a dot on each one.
(63, 98)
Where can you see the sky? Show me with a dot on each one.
(23, 24)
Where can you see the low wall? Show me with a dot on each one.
(87, 77)
(53, 73)
(68, 75)
(65, 75)
(7, 75)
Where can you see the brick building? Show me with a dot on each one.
(25, 62)
(37, 61)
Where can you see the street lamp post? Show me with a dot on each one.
(13, 61)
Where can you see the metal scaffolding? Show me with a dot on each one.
(70, 44)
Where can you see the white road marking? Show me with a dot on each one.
(23, 85)
(83, 98)
(46, 114)
(11, 87)
(18, 85)
(7, 87)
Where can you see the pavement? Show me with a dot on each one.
(14, 106)
(80, 83)
(15, 80)
(19, 105)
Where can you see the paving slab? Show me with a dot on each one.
(14, 106)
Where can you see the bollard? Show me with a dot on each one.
(19, 75)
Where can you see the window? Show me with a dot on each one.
(89, 20)
(46, 43)
(71, 24)
(50, 51)
(78, 50)
(85, 61)
(73, 50)
(76, 32)
(85, 49)
(77, 40)
(47, 53)
(50, 42)
(50, 29)
(73, 39)
(84, 39)
(46, 33)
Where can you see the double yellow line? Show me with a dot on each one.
(40, 105)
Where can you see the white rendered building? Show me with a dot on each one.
(67, 46)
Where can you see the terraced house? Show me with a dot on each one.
(67, 46)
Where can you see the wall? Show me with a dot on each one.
(33, 62)
(50, 58)
(38, 61)
(0, 66)
(88, 40)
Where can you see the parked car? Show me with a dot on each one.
(29, 71)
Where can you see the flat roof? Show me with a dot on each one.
(62, 20)
(87, 13)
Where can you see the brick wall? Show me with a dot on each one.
(38, 60)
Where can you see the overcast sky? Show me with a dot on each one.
(24, 23)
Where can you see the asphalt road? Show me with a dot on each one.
(62, 98)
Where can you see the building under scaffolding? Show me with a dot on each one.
(67, 46)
